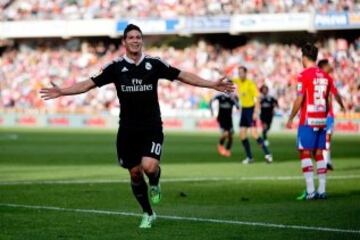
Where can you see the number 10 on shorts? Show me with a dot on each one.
(156, 148)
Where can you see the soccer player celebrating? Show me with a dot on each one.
(313, 91)
(267, 104)
(224, 118)
(249, 95)
(326, 67)
(140, 135)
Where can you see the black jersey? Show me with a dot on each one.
(226, 104)
(136, 86)
(268, 103)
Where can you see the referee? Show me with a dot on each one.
(140, 135)
(248, 95)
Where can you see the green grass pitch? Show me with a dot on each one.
(66, 184)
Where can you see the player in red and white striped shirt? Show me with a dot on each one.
(313, 89)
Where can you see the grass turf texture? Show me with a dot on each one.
(31, 157)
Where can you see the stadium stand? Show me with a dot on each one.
(14, 10)
(28, 67)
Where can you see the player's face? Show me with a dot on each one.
(303, 59)
(264, 91)
(328, 69)
(242, 73)
(133, 42)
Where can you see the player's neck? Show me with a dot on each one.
(310, 64)
(134, 56)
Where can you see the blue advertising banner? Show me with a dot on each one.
(331, 21)
(150, 26)
(218, 24)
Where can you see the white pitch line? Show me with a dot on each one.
(7, 137)
(193, 219)
(194, 179)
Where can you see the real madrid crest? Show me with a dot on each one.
(148, 66)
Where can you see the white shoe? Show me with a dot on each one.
(147, 220)
(248, 161)
(268, 158)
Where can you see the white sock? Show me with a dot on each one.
(309, 179)
(325, 155)
(307, 167)
(322, 183)
(326, 151)
(328, 157)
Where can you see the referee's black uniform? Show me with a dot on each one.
(140, 132)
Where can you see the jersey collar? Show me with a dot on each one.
(132, 61)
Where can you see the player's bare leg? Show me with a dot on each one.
(140, 191)
(153, 171)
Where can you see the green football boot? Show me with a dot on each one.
(155, 194)
(147, 220)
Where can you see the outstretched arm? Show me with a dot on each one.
(77, 88)
(295, 109)
(220, 85)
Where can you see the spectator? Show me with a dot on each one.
(25, 69)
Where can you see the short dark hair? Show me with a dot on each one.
(263, 87)
(322, 63)
(243, 68)
(310, 51)
(131, 27)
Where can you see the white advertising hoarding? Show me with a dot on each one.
(57, 28)
(271, 22)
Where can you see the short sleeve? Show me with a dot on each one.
(166, 71)
(275, 102)
(300, 88)
(105, 76)
(254, 90)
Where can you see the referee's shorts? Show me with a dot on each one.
(246, 118)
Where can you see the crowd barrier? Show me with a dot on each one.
(343, 124)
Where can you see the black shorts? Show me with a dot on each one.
(225, 124)
(267, 119)
(246, 119)
(133, 144)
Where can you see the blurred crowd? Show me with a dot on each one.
(27, 68)
(13, 10)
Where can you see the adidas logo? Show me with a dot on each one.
(124, 69)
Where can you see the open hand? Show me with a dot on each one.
(50, 93)
(224, 85)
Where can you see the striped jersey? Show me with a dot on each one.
(315, 85)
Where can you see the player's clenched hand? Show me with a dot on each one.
(51, 93)
(224, 85)
(289, 124)
(254, 116)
